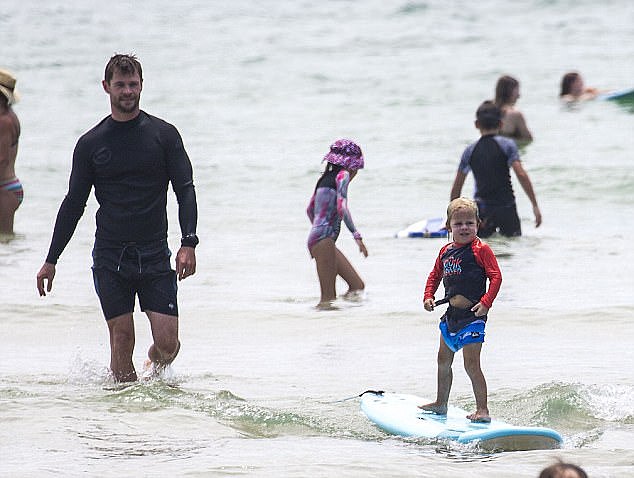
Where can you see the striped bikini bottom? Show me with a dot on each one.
(15, 186)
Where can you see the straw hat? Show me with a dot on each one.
(7, 87)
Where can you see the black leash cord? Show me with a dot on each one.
(374, 392)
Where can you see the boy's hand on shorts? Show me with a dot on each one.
(480, 309)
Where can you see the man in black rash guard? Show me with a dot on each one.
(130, 157)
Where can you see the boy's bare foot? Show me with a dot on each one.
(434, 408)
(479, 417)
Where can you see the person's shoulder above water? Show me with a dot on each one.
(514, 125)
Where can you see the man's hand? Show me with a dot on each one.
(46, 274)
(185, 262)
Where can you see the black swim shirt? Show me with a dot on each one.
(130, 165)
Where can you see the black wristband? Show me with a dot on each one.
(189, 240)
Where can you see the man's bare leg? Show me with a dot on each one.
(121, 330)
(166, 344)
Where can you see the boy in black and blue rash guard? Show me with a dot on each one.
(491, 158)
(130, 158)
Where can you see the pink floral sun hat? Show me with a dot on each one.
(345, 153)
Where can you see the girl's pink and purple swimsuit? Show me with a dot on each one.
(328, 206)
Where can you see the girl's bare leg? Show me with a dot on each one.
(348, 273)
(324, 253)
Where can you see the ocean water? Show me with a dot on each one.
(263, 383)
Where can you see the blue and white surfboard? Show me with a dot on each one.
(626, 94)
(399, 414)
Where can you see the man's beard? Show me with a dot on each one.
(124, 105)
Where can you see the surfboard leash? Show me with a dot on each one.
(375, 392)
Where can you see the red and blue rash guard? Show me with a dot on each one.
(464, 269)
(328, 206)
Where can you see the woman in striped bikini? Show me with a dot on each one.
(11, 193)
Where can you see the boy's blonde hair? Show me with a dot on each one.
(462, 203)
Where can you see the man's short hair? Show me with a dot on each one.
(125, 64)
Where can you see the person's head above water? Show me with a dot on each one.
(563, 470)
(571, 84)
(506, 90)
(488, 116)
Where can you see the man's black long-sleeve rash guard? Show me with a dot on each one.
(130, 165)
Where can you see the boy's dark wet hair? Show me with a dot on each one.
(125, 64)
(488, 115)
(560, 469)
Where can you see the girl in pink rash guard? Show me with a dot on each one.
(327, 207)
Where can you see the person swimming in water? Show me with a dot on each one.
(327, 207)
(574, 90)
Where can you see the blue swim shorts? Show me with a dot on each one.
(469, 334)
